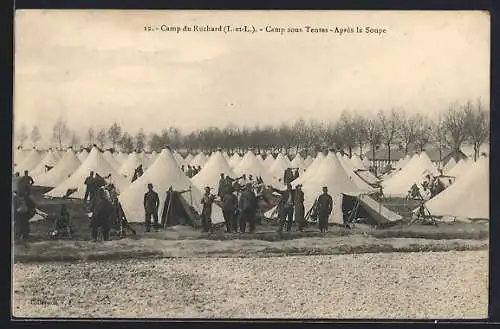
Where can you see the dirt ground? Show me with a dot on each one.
(430, 285)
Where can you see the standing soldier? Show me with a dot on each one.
(151, 204)
(89, 190)
(24, 184)
(325, 207)
(286, 207)
(230, 204)
(299, 207)
(248, 209)
(221, 188)
(206, 213)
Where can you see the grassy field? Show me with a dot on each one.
(185, 242)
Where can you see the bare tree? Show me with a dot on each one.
(374, 135)
(126, 143)
(114, 134)
(407, 130)
(360, 131)
(389, 124)
(477, 125)
(35, 136)
(22, 135)
(439, 136)
(91, 136)
(347, 128)
(423, 131)
(455, 123)
(74, 140)
(140, 141)
(60, 132)
(101, 138)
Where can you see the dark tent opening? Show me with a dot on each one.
(177, 211)
(365, 210)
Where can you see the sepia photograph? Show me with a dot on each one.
(250, 164)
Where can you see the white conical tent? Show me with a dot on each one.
(250, 165)
(121, 157)
(188, 158)
(461, 167)
(226, 156)
(163, 174)
(30, 162)
(178, 158)
(298, 162)
(279, 166)
(83, 155)
(130, 165)
(95, 162)
(311, 170)
(260, 158)
(308, 161)
(403, 162)
(145, 160)
(112, 160)
(20, 155)
(61, 171)
(400, 183)
(356, 162)
(268, 161)
(210, 174)
(51, 158)
(235, 160)
(331, 174)
(350, 172)
(449, 165)
(467, 197)
(199, 160)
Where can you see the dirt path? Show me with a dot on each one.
(393, 285)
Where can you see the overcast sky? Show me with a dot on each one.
(96, 67)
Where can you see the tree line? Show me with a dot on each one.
(388, 129)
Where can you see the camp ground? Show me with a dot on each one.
(251, 165)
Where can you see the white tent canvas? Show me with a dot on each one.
(250, 165)
(356, 162)
(461, 167)
(235, 160)
(112, 160)
(199, 160)
(350, 172)
(178, 158)
(269, 160)
(308, 161)
(20, 155)
(163, 174)
(280, 164)
(188, 158)
(61, 171)
(30, 162)
(51, 158)
(467, 197)
(130, 165)
(95, 162)
(311, 170)
(210, 174)
(120, 157)
(400, 183)
(83, 155)
(331, 174)
(298, 162)
(449, 165)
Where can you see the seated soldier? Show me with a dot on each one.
(62, 223)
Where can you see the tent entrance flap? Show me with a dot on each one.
(362, 206)
(178, 212)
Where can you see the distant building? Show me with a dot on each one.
(381, 158)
